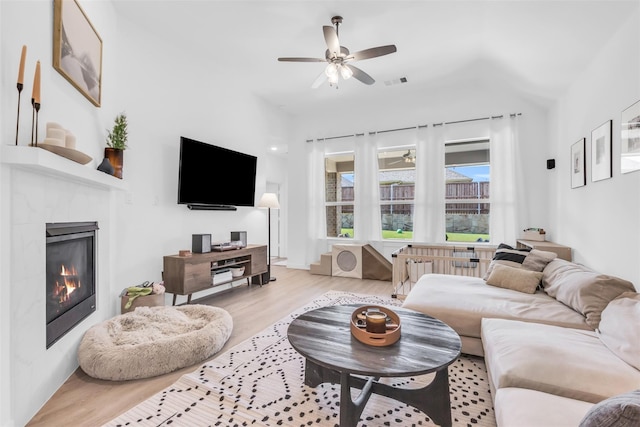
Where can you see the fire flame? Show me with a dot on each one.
(69, 283)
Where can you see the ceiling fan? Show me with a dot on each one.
(339, 58)
(407, 157)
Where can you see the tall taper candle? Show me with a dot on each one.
(36, 85)
(21, 69)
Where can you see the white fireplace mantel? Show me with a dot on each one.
(45, 162)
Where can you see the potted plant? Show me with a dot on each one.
(116, 144)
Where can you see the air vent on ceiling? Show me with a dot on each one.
(395, 81)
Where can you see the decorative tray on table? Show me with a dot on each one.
(391, 325)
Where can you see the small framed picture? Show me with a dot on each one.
(601, 161)
(578, 164)
(630, 139)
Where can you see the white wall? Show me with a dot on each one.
(166, 93)
(601, 220)
(30, 372)
(479, 96)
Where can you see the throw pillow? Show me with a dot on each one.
(586, 291)
(619, 411)
(537, 260)
(616, 330)
(517, 279)
(507, 255)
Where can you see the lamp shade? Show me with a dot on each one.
(269, 200)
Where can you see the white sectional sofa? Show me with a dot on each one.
(561, 344)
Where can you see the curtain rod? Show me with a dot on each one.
(414, 127)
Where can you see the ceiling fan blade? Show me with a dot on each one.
(372, 52)
(360, 75)
(322, 77)
(331, 37)
(302, 60)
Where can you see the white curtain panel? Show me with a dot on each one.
(367, 193)
(429, 213)
(317, 225)
(505, 207)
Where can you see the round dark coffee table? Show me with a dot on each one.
(333, 355)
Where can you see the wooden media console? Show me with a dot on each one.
(184, 275)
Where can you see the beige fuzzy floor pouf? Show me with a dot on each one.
(153, 341)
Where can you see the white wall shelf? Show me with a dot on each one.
(41, 161)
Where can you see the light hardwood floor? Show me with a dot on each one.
(86, 401)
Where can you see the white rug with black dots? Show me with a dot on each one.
(260, 382)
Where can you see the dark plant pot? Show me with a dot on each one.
(116, 158)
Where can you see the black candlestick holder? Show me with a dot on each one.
(20, 86)
(34, 122)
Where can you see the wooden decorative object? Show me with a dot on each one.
(69, 153)
(379, 340)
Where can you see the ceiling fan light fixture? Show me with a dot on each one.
(345, 72)
(333, 79)
(331, 70)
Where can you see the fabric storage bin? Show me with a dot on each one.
(533, 235)
(152, 300)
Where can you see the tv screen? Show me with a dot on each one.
(211, 177)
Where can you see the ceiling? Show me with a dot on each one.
(535, 47)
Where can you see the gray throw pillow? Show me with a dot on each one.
(586, 291)
(537, 260)
(616, 330)
(617, 411)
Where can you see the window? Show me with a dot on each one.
(467, 206)
(339, 194)
(396, 177)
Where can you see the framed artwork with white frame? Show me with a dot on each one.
(601, 160)
(578, 164)
(630, 139)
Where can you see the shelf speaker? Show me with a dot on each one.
(239, 236)
(200, 243)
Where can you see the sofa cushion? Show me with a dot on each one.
(517, 279)
(616, 330)
(507, 255)
(537, 260)
(562, 361)
(619, 411)
(461, 302)
(581, 288)
(518, 407)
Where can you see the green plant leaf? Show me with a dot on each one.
(117, 136)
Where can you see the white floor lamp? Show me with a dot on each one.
(269, 201)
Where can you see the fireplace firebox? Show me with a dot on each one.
(70, 276)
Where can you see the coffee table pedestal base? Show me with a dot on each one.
(433, 399)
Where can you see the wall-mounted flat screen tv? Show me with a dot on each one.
(212, 177)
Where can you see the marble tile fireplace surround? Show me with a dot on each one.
(42, 189)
